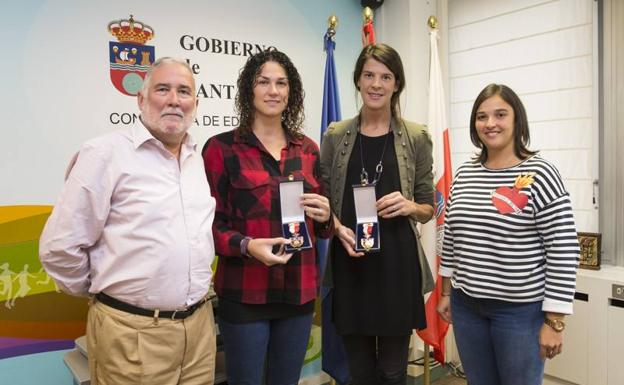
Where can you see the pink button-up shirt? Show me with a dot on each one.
(134, 222)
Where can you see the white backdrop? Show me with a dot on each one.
(57, 91)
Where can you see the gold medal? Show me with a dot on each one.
(367, 242)
(296, 240)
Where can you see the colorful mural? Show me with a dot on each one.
(34, 315)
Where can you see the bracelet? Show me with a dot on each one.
(243, 247)
(445, 294)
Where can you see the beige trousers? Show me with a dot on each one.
(131, 349)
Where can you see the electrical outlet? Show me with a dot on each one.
(617, 291)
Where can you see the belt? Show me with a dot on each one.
(171, 314)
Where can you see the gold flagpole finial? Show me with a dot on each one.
(432, 21)
(332, 22)
(367, 14)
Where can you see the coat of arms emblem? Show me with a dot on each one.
(129, 56)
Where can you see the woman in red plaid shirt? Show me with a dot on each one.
(266, 295)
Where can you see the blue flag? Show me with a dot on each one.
(334, 356)
(331, 100)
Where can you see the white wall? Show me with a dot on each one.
(403, 25)
(612, 139)
(544, 50)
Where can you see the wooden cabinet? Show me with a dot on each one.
(615, 343)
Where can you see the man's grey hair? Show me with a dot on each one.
(158, 63)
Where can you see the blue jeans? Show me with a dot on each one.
(498, 341)
(280, 344)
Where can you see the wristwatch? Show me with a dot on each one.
(557, 324)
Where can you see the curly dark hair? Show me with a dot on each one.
(522, 137)
(293, 116)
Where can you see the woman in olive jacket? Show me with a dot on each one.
(378, 297)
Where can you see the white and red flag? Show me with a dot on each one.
(432, 231)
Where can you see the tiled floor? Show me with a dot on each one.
(450, 380)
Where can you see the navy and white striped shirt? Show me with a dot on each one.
(509, 234)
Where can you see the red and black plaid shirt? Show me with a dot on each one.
(244, 179)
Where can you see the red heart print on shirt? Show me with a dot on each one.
(509, 200)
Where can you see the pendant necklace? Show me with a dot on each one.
(378, 168)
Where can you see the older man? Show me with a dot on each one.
(132, 228)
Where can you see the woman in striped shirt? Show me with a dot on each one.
(510, 250)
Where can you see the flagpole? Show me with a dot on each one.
(333, 357)
(332, 23)
(432, 22)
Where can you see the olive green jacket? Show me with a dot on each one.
(413, 147)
